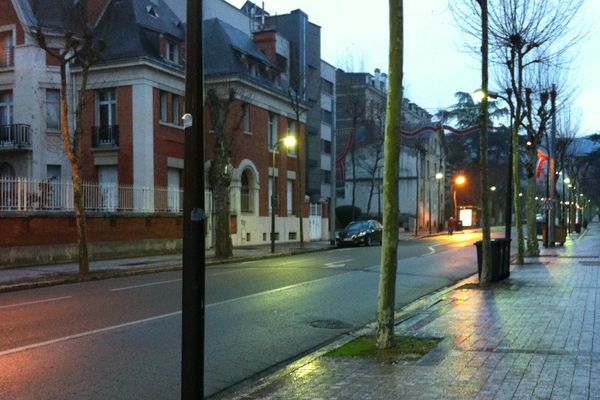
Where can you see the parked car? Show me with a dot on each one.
(360, 232)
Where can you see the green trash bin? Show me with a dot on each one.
(500, 258)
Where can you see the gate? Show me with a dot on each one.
(314, 221)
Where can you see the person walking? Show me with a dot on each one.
(451, 225)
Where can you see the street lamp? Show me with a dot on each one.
(438, 177)
(288, 142)
(460, 181)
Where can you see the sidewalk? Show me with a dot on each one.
(535, 335)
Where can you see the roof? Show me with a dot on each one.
(141, 22)
(130, 28)
(222, 45)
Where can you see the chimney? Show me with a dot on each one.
(266, 40)
(377, 77)
(384, 82)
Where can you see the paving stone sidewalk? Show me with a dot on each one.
(533, 336)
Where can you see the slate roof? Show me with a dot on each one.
(130, 28)
(55, 15)
(130, 31)
(222, 47)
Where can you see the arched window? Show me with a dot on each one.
(245, 192)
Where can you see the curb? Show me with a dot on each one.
(74, 277)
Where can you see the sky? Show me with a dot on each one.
(436, 61)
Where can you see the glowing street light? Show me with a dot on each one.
(459, 180)
(288, 142)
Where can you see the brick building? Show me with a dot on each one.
(133, 133)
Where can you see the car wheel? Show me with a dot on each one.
(368, 241)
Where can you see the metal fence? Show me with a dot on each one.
(24, 194)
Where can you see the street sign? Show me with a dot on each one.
(548, 204)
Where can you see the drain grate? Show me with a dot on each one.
(330, 324)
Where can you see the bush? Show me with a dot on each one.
(344, 214)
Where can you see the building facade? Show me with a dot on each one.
(132, 129)
(361, 99)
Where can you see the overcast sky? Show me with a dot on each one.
(436, 64)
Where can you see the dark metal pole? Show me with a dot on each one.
(552, 173)
(509, 185)
(429, 194)
(273, 191)
(192, 341)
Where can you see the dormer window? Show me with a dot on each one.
(151, 11)
(172, 51)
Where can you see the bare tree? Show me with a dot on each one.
(523, 35)
(78, 47)
(353, 106)
(221, 105)
(371, 155)
(389, 249)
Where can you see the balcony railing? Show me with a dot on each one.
(15, 136)
(7, 57)
(105, 136)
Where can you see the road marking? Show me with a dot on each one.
(338, 264)
(27, 303)
(83, 334)
(281, 289)
(144, 285)
(232, 271)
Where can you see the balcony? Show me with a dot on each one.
(14, 137)
(105, 136)
(7, 58)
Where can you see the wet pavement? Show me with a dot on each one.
(535, 335)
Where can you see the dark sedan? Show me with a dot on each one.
(360, 232)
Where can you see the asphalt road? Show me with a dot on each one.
(120, 338)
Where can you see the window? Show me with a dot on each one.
(245, 199)
(290, 197)
(172, 51)
(326, 176)
(272, 129)
(6, 108)
(326, 86)
(246, 118)
(174, 189)
(6, 49)
(163, 107)
(326, 145)
(326, 116)
(176, 117)
(107, 108)
(52, 110)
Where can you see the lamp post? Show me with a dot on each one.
(289, 142)
(458, 180)
(567, 220)
(438, 177)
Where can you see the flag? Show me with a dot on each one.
(542, 159)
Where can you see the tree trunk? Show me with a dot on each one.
(486, 256)
(80, 221)
(72, 147)
(517, 198)
(223, 247)
(389, 248)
